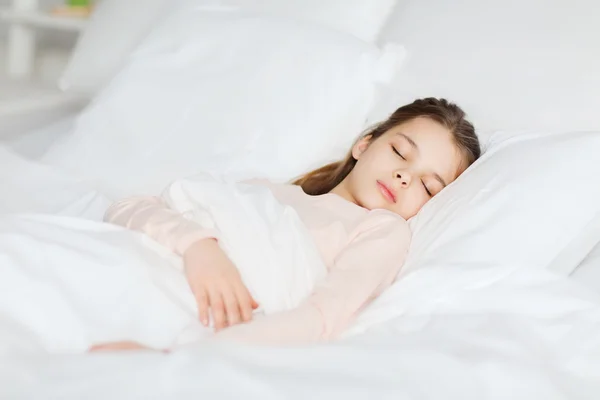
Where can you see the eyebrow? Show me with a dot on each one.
(414, 145)
(440, 179)
(409, 140)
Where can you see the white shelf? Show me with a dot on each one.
(44, 20)
(18, 98)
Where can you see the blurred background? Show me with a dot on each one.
(36, 38)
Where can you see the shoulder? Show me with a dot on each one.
(269, 184)
(282, 191)
(385, 224)
(257, 181)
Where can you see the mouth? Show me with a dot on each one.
(386, 192)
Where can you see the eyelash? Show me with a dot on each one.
(402, 157)
(427, 190)
(397, 152)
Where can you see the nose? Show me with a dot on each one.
(403, 178)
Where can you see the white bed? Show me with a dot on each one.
(48, 126)
(466, 319)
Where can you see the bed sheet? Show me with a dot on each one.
(31, 134)
(434, 363)
(29, 186)
(500, 335)
(34, 143)
(439, 333)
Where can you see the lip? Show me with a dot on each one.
(386, 192)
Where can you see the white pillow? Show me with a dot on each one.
(588, 272)
(514, 65)
(578, 252)
(229, 92)
(363, 19)
(117, 27)
(526, 200)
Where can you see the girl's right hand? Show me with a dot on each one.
(217, 285)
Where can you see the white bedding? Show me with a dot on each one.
(88, 282)
(280, 264)
(523, 336)
(31, 187)
(443, 332)
(32, 133)
(34, 143)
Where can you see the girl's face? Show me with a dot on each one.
(403, 168)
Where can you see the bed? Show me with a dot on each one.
(485, 306)
(43, 128)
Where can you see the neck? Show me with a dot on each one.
(342, 191)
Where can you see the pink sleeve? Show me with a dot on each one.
(152, 216)
(361, 272)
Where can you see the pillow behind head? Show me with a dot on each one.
(117, 27)
(230, 92)
(524, 201)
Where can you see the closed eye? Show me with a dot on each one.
(426, 189)
(398, 153)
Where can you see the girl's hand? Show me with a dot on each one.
(119, 346)
(217, 285)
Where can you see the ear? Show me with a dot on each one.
(360, 147)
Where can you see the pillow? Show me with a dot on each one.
(117, 27)
(588, 272)
(227, 92)
(514, 65)
(528, 198)
(578, 252)
(363, 19)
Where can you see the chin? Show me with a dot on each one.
(371, 204)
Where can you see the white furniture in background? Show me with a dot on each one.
(22, 91)
(24, 18)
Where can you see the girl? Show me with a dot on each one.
(356, 210)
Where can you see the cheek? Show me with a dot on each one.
(412, 202)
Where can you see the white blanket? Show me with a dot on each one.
(69, 283)
(440, 332)
(515, 335)
(266, 240)
(31, 187)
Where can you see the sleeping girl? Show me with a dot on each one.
(356, 211)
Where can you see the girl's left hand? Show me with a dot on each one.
(120, 346)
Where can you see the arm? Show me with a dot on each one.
(213, 278)
(361, 272)
(152, 216)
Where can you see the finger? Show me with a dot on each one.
(255, 305)
(232, 306)
(245, 302)
(202, 302)
(116, 346)
(217, 309)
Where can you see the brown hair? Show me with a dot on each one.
(324, 179)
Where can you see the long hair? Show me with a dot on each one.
(324, 179)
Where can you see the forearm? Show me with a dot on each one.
(302, 325)
(152, 216)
